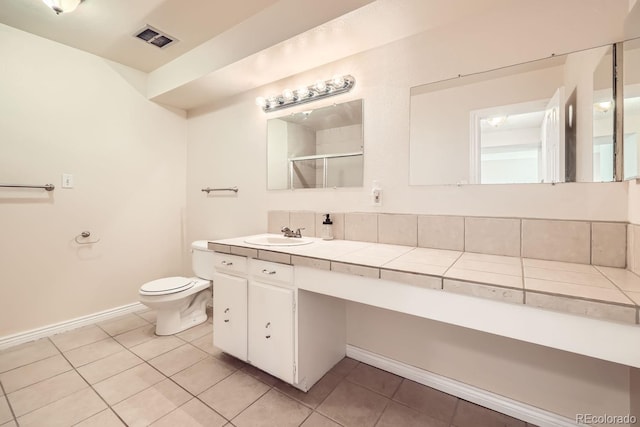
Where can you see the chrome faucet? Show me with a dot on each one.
(290, 233)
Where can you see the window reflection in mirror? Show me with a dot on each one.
(631, 76)
(319, 148)
(527, 123)
(511, 140)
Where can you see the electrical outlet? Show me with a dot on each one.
(67, 180)
(376, 194)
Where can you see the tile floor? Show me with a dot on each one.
(119, 373)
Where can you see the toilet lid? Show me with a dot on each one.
(168, 285)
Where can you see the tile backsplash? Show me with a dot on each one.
(633, 248)
(361, 226)
(441, 232)
(567, 241)
(496, 236)
(608, 244)
(611, 244)
(398, 229)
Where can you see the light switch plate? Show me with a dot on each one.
(67, 180)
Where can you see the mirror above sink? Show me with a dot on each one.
(316, 148)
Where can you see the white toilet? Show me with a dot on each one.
(181, 302)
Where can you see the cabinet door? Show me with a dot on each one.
(230, 314)
(271, 329)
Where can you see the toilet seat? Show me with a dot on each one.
(167, 285)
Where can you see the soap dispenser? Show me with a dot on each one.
(327, 228)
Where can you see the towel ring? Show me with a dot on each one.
(84, 235)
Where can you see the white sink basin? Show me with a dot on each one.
(277, 241)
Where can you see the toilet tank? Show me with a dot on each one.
(202, 260)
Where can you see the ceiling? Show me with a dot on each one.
(105, 27)
(222, 43)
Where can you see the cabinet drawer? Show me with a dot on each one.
(265, 271)
(230, 263)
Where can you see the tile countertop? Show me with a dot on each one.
(587, 290)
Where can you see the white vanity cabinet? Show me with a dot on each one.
(230, 305)
(260, 316)
(271, 339)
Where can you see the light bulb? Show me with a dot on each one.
(603, 106)
(287, 94)
(338, 81)
(496, 121)
(321, 86)
(261, 102)
(302, 92)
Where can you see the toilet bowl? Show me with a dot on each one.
(181, 302)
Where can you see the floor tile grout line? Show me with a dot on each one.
(92, 388)
(422, 411)
(4, 394)
(53, 401)
(28, 364)
(455, 409)
(187, 391)
(108, 408)
(328, 416)
(306, 418)
(96, 360)
(115, 319)
(56, 375)
(367, 388)
(386, 405)
(32, 362)
(252, 403)
(304, 403)
(100, 358)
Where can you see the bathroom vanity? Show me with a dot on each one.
(260, 317)
(281, 308)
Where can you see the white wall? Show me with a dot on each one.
(278, 175)
(384, 77)
(65, 111)
(227, 146)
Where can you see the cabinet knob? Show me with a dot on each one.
(226, 310)
(226, 263)
(267, 325)
(226, 320)
(267, 336)
(265, 271)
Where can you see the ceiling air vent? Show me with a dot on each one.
(155, 37)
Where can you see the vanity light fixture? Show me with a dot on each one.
(321, 89)
(62, 6)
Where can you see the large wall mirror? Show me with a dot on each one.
(544, 121)
(631, 78)
(319, 148)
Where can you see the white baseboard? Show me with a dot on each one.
(56, 328)
(498, 403)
